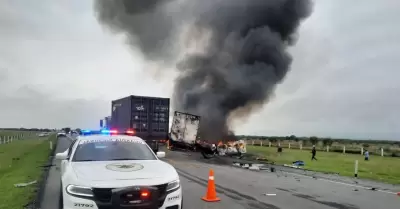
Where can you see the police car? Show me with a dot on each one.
(102, 171)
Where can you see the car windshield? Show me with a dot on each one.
(109, 150)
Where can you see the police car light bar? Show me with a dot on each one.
(106, 132)
(130, 132)
(86, 131)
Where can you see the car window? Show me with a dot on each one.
(70, 148)
(108, 150)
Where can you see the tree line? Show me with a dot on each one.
(28, 129)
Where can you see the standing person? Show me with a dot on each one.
(366, 154)
(313, 152)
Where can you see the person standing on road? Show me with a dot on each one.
(313, 152)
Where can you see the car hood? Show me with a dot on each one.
(122, 170)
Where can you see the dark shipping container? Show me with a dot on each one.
(147, 116)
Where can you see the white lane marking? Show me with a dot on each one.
(342, 183)
(270, 194)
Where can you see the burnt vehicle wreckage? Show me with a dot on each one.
(184, 136)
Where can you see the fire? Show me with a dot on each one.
(232, 144)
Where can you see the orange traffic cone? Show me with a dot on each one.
(211, 195)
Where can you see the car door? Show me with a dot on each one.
(65, 162)
(59, 162)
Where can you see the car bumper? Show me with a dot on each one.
(72, 202)
(172, 201)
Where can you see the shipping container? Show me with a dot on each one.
(148, 117)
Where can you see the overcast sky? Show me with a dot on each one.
(58, 67)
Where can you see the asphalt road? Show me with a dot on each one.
(243, 189)
(290, 190)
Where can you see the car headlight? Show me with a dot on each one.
(79, 191)
(173, 185)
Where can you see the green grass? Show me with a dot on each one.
(385, 169)
(19, 163)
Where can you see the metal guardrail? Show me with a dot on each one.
(9, 139)
(6, 139)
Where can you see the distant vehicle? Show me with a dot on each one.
(43, 134)
(147, 117)
(60, 134)
(116, 171)
(105, 123)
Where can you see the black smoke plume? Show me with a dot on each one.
(235, 70)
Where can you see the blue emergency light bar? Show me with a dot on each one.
(107, 132)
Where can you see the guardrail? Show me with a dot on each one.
(6, 139)
(9, 139)
(345, 149)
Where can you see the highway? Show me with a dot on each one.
(244, 189)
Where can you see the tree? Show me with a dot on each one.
(314, 140)
(273, 140)
(327, 142)
(294, 138)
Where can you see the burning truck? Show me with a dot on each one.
(185, 135)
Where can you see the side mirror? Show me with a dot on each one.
(160, 154)
(61, 156)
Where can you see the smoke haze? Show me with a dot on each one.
(229, 54)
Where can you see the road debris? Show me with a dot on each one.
(255, 168)
(25, 184)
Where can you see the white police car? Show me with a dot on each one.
(116, 171)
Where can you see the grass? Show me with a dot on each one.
(384, 169)
(19, 163)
